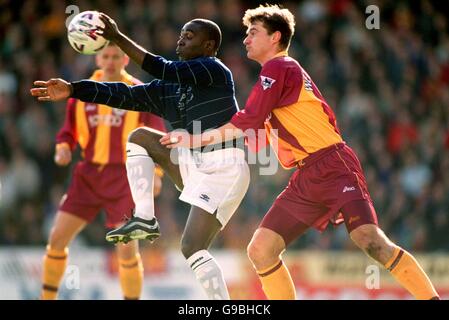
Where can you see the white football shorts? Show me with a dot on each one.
(215, 181)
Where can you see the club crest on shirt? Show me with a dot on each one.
(266, 82)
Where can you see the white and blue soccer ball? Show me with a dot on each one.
(82, 33)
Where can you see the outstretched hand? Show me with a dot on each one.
(176, 139)
(51, 90)
(110, 31)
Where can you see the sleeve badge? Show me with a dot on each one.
(266, 82)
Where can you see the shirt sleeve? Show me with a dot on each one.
(199, 71)
(264, 97)
(143, 97)
(67, 133)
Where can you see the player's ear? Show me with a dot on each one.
(209, 45)
(276, 36)
(125, 60)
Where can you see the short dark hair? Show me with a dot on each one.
(274, 18)
(212, 31)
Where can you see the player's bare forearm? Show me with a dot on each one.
(224, 133)
(111, 32)
(184, 139)
(132, 49)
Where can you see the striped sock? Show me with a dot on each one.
(55, 262)
(131, 277)
(277, 282)
(407, 271)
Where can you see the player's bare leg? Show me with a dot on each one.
(264, 251)
(130, 269)
(66, 227)
(401, 264)
(373, 242)
(200, 230)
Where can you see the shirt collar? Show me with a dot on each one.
(281, 54)
(126, 77)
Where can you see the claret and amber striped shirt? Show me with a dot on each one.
(102, 131)
(286, 99)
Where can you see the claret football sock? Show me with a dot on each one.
(131, 277)
(277, 282)
(407, 271)
(55, 262)
(140, 171)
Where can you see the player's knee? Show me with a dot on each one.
(138, 136)
(58, 240)
(257, 252)
(265, 248)
(146, 139)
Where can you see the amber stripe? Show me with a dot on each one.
(131, 121)
(103, 141)
(284, 134)
(82, 129)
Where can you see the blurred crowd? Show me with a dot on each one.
(389, 88)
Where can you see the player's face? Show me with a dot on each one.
(112, 61)
(191, 43)
(257, 41)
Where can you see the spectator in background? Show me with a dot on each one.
(402, 133)
(8, 187)
(414, 175)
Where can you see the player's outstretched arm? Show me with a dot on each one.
(112, 33)
(178, 138)
(51, 90)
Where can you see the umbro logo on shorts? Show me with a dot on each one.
(346, 189)
(204, 197)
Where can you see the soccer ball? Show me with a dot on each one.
(82, 33)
